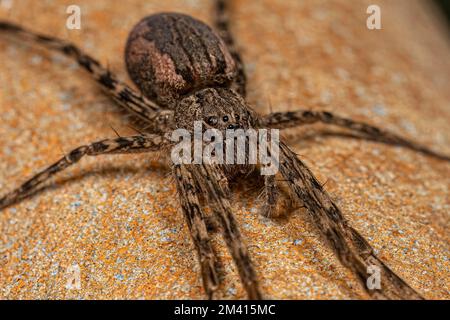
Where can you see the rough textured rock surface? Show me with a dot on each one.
(117, 217)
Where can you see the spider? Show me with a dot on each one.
(188, 72)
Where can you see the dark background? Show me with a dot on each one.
(445, 6)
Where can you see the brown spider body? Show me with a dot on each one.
(186, 72)
(183, 64)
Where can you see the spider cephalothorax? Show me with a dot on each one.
(217, 108)
(186, 73)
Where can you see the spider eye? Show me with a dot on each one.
(237, 117)
(212, 121)
(225, 118)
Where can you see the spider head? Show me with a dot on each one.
(216, 108)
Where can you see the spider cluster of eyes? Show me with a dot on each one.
(239, 146)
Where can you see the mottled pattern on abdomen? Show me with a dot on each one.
(170, 54)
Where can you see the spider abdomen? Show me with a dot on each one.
(170, 54)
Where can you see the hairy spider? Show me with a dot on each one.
(187, 72)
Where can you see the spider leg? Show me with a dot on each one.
(271, 194)
(195, 218)
(209, 178)
(351, 248)
(283, 120)
(132, 144)
(157, 118)
(222, 24)
(277, 200)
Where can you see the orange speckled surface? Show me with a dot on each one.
(117, 217)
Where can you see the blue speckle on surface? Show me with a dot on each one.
(119, 277)
(166, 239)
(232, 291)
(75, 204)
(379, 109)
(66, 106)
